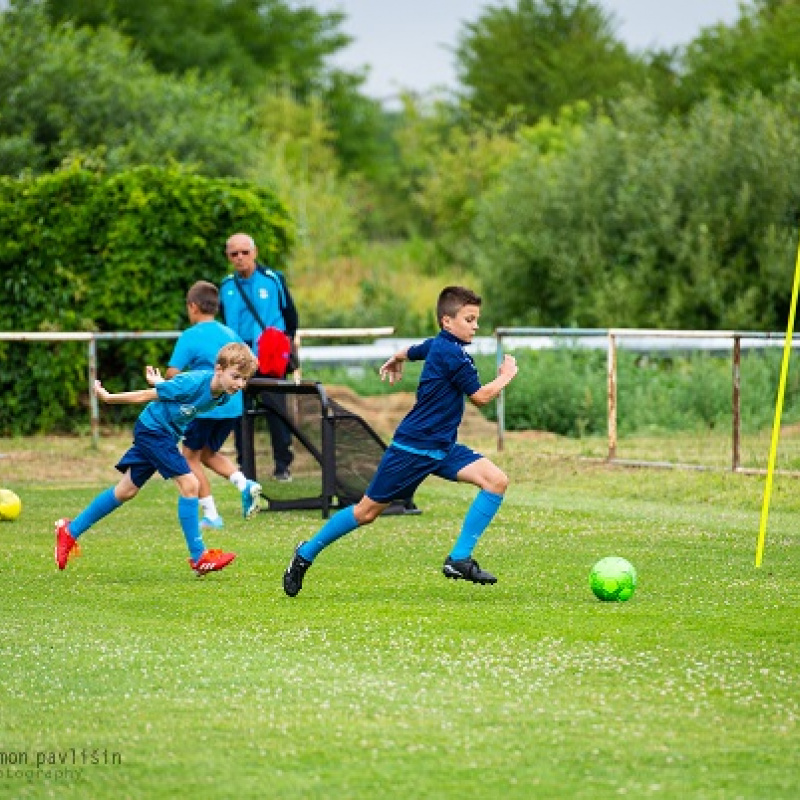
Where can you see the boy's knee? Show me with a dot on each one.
(365, 513)
(364, 516)
(498, 482)
(188, 485)
(124, 493)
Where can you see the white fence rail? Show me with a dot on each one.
(505, 338)
(641, 339)
(92, 339)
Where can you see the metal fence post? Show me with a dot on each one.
(94, 405)
(737, 386)
(501, 404)
(612, 396)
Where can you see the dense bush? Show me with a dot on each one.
(565, 391)
(639, 222)
(84, 252)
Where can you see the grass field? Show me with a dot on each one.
(383, 679)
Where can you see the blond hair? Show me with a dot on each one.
(237, 354)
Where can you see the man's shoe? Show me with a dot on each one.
(66, 544)
(215, 524)
(295, 572)
(467, 569)
(283, 476)
(250, 495)
(211, 561)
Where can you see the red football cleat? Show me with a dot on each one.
(66, 544)
(211, 561)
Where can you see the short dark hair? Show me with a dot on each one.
(452, 299)
(205, 296)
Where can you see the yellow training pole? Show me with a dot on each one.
(776, 426)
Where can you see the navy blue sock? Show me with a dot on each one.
(100, 507)
(480, 514)
(188, 508)
(340, 524)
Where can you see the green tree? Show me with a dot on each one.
(297, 158)
(67, 93)
(539, 55)
(761, 50)
(689, 223)
(246, 39)
(255, 44)
(450, 161)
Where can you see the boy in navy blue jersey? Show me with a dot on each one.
(197, 348)
(171, 407)
(425, 442)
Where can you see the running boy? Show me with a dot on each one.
(171, 407)
(197, 348)
(425, 442)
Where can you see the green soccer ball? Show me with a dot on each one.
(613, 578)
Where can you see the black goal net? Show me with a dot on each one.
(336, 452)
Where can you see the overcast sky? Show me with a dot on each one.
(405, 42)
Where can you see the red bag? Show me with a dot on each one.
(274, 349)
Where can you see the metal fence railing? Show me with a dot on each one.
(641, 339)
(92, 338)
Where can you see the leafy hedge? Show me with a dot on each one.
(564, 391)
(86, 252)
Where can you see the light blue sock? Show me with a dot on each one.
(188, 510)
(480, 514)
(340, 524)
(100, 507)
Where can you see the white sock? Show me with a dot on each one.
(238, 480)
(209, 507)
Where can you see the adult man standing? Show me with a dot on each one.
(255, 297)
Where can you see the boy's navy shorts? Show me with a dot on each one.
(152, 450)
(401, 472)
(208, 432)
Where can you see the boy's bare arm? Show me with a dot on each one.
(488, 392)
(121, 398)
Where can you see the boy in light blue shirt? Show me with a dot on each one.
(197, 348)
(172, 405)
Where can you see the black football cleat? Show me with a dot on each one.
(467, 569)
(295, 572)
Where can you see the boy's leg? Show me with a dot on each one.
(492, 483)
(195, 460)
(340, 524)
(200, 559)
(479, 516)
(68, 531)
(106, 502)
(188, 506)
(250, 491)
